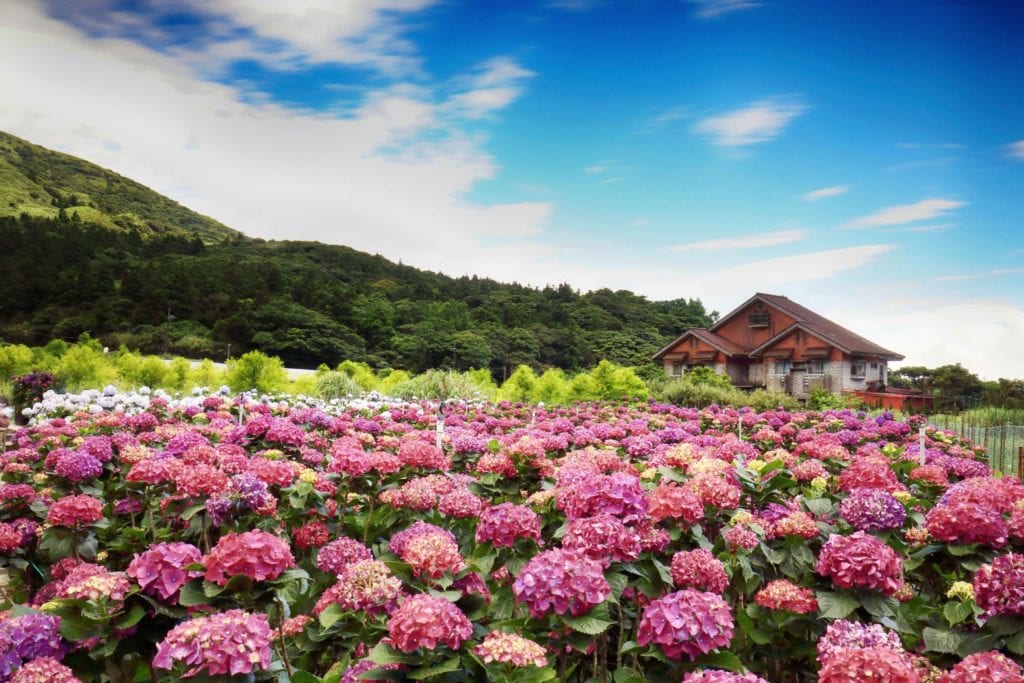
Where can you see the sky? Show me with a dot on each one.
(864, 158)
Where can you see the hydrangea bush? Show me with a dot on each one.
(244, 538)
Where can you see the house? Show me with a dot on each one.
(774, 343)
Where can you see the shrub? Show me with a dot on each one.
(256, 370)
(336, 385)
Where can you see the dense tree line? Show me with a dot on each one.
(956, 388)
(308, 303)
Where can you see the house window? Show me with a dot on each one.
(759, 319)
(677, 369)
(816, 367)
(858, 368)
(782, 367)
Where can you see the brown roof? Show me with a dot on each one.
(820, 326)
(721, 343)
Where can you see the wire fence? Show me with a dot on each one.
(1004, 444)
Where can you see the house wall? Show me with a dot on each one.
(693, 346)
(850, 383)
(737, 329)
(756, 376)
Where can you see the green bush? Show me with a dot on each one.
(761, 400)
(335, 384)
(683, 392)
(257, 370)
(821, 398)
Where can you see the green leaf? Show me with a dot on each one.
(594, 623)
(133, 617)
(940, 640)
(819, 506)
(627, 676)
(618, 584)
(751, 630)
(629, 647)
(330, 616)
(304, 677)
(76, 627)
(723, 660)
(878, 605)
(1015, 644)
(484, 563)
(447, 666)
(836, 605)
(191, 511)
(956, 611)
(961, 550)
(382, 654)
(56, 544)
(192, 594)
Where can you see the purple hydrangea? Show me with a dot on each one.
(687, 622)
(27, 637)
(872, 510)
(78, 466)
(844, 635)
(561, 581)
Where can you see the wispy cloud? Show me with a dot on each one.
(763, 239)
(997, 272)
(931, 145)
(825, 192)
(492, 86)
(709, 9)
(923, 163)
(935, 227)
(665, 119)
(596, 168)
(574, 5)
(1016, 150)
(758, 122)
(924, 210)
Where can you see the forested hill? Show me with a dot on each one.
(86, 250)
(42, 182)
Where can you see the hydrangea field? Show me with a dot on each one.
(220, 538)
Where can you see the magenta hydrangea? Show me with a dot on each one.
(861, 561)
(334, 556)
(687, 622)
(256, 554)
(699, 569)
(603, 538)
(160, 570)
(425, 621)
(561, 581)
(504, 524)
(228, 643)
(999, 586)
(870, 509)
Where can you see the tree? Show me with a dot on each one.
(256, 370)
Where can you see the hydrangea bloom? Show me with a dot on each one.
(699, 569)
(872, 510)
(561, 581)
(510, 648)
(785, 595)
(856, 665)
(603, 538)
(75, 511)
(502, 525)
(460, 503)
(844, 635)
(28, 637)
(686, 622)
(366, 585)
(671, 501)
(999, 586)
(93, 582)
(432, 555)
(420, 453)
(861, 561)
(77, 466)
(160, 570)
(334, 556)
(229, 643)
(720, 676)
(256, 554)
(44, 670)
(425, 621)
(990, 667)
(618, 494)
(962, 521)
(740, 538)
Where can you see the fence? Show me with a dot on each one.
(1004, 444)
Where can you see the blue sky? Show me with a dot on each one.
(863, 158)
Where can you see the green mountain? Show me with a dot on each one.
(40, 182)
(141, 270)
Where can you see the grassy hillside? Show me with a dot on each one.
(40, 182)
(86, 250)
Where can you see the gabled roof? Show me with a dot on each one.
(721, 343)
(812, 323)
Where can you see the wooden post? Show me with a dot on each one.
(1020, 463)
(921, 444)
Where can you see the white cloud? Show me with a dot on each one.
(665, 118)
(995, 272)
(764, 239)
(930, 145)
(825, 192)
(981, 334)
(1016, 150)
(932, 227)
(709, 9)
(758, 122)
(391, 177)
(923, 210)
(596, 169)
(492, 86)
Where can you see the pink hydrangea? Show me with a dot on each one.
(460, 503)
(962, 521)
(93, 582)
(75, 511)
(687, 622)
(425, 621)
(714, 490)
(999, 586)
(856, 665)
(509, 648)
(256, 554)
(870, 473)
(420, 453)
(861, 561)
(985, 667)
(699, 569)
(603, 538)
(845, 635)
(720, 676)
(785, 595)
(44, 670)
(671, 501)
(740, 538)
(504, 524)
(561, 581)
(334, 556)
(231, 643)
(363, 586)
(618, 494)
(432, 555)
(160, 570)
